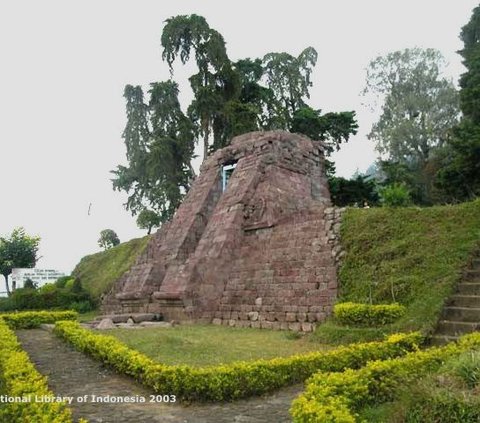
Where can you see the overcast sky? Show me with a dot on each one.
(64, 65)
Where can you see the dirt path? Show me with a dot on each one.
(73, 374)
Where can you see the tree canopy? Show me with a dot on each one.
(229, 98)
(418, 108)
(148, 219)
(419, 105)
(160, 147)
(17, 250)
(108, 239)
(459, 173)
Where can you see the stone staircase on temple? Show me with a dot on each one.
(461, 314)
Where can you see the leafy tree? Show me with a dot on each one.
(288, 77)
(459, 173)
(18, 250)
(470, 80)
(213, 85)
(160, 147)
(419, 107)
(136, 133)
(230, 98)
(258, 99)
(108, 239)
(148, 219)
(234, 98)
(333, 128)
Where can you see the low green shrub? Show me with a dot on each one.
(366, 314)
(19, 378)
(81, 306)
(395, 195)
(467, 368)
(228, 382)
(59, 295)
(62, 281)
(33, 319)
(336, 397)
(447, 395)
(444, 407)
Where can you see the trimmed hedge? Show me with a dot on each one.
(228, 382)
(33, 319)
(19, 378)
(367, 315)
(336, 397)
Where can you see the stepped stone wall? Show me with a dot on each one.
(262, 253)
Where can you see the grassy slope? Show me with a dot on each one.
(414, 256)
(97, 272)
(202, 345)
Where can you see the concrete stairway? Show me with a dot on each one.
(462, 312)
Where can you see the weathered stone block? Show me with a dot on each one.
(266, 325)
(307, 327)
(105, 324)
(294, 326)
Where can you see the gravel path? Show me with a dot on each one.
(73, 374)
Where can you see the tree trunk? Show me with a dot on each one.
(206, 135)
(149, 230)
(205, 146)
(6, 284)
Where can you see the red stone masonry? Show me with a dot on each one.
(258, 254)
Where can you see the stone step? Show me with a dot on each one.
(453, 328)
(462, 314)
(472, 275)
(469, 288)
(465, 301)
(439, 340)
(476, 262)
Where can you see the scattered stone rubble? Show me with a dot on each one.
(129, 321)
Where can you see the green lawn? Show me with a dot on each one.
(203, 345)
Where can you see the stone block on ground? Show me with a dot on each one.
(115, 318)
(143, 317)
(106, 324)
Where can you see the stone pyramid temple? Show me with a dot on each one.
(252, 245)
